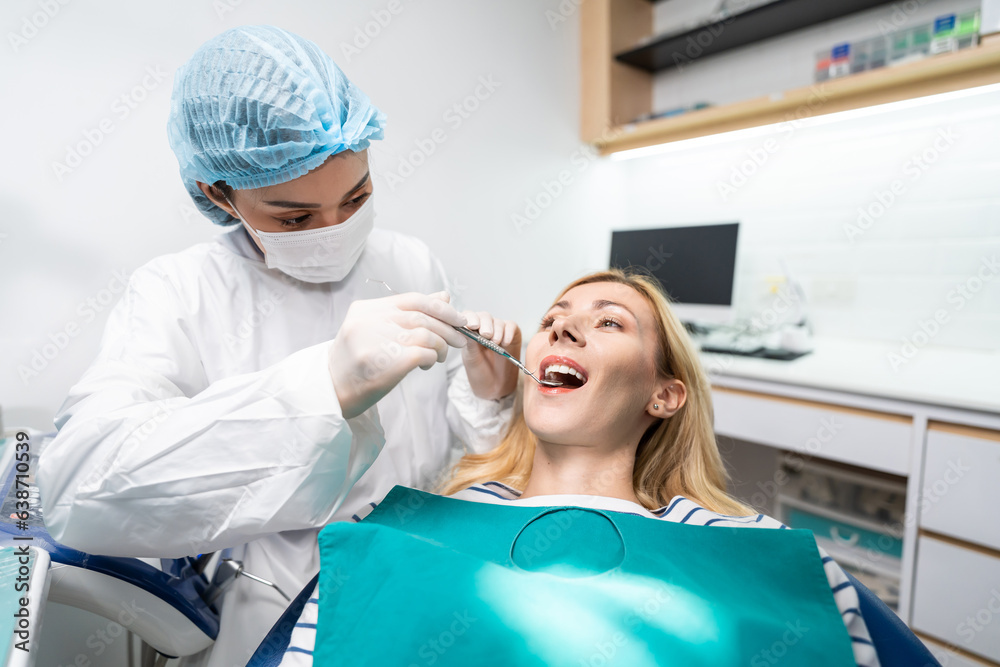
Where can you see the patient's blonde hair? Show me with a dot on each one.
(676, 456)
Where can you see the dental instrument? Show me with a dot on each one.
(487, 343)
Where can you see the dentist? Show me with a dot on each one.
(244, 394)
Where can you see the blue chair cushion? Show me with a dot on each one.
(895, 644)
(272, 648)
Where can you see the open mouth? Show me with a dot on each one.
(564, 370)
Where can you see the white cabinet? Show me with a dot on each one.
(867, 438)
(956, 596)
(961, 485)
(949, 570)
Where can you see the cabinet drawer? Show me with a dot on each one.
(956, 596)
(961, 486)
(949, 658)
(866, 438)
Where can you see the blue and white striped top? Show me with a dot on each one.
(680, 510)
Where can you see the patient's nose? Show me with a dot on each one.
(566, 329)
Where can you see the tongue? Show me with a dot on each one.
(568, 380)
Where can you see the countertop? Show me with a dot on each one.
(954, 377)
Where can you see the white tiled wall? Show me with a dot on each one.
(803, 204)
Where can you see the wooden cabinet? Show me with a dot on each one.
(613, 94)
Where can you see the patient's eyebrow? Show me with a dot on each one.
(600, 304)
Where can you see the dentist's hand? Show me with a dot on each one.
(381, 340)
(490, 375)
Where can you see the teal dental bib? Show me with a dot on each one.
(428, 580)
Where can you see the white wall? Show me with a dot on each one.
(885, 217)
(65, 238)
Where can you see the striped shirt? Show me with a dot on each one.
(679, 510)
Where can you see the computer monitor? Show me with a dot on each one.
(696, 265)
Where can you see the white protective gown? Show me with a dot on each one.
(209, 420)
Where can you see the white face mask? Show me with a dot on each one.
(318, 255)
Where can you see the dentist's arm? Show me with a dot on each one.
(154, 459)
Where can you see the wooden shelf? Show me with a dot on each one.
(748, 27)
(612, 94)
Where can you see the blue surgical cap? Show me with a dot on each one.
(257, 106)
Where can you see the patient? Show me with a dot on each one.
(629, 431)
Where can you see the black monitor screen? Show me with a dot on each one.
(695, 264)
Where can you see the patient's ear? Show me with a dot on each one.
(668, 398)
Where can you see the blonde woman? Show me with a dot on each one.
(629, 432)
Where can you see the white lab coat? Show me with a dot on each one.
(209, 420)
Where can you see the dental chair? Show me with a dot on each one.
(163, 602)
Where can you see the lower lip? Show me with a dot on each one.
(556, 390)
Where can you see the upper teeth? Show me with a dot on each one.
(565, 370)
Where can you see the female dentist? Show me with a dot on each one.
(242, 392)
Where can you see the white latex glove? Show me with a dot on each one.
(381, 340)
(490, 375)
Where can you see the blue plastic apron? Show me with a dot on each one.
(428, 580)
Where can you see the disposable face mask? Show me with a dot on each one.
(318, 255)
